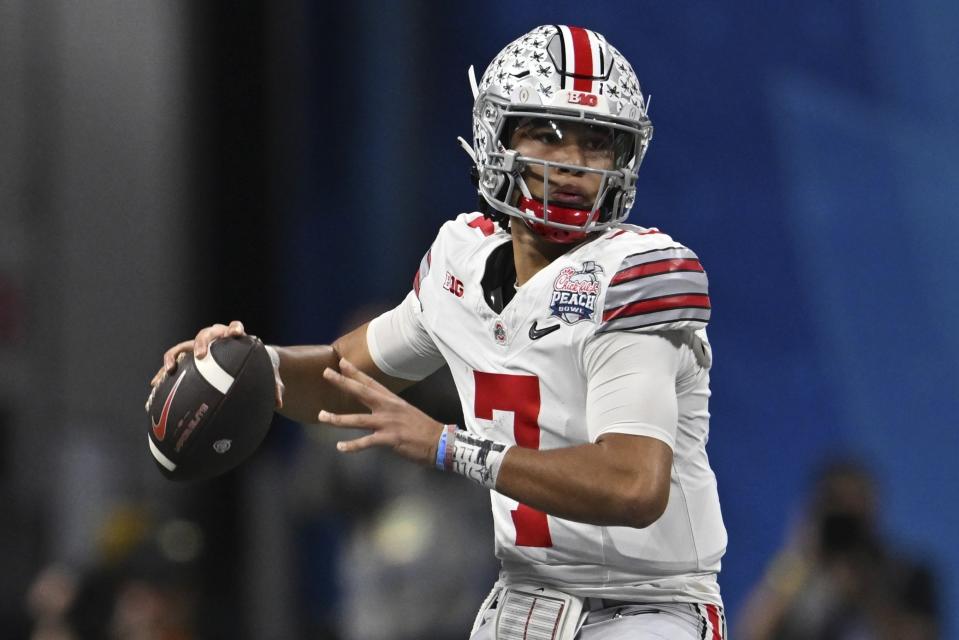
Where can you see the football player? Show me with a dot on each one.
(578, 349)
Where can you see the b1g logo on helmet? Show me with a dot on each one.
(583, 99)
(575, 293)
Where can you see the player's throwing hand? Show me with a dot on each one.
(200, 345)
(393, 422)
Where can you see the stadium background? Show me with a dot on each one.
(164, 165)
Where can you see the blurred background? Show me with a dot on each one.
(166, 164)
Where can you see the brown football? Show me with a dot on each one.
(211, 414)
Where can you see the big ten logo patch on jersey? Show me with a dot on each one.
(575, 292)
(453, 284)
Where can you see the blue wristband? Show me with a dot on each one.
(441, 450)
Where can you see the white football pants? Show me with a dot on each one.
(673, 621)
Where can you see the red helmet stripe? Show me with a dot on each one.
(582, 59)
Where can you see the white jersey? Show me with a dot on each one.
(523, 376)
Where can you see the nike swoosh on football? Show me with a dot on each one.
(159, 428)
(536, 334)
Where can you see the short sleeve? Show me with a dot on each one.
(399, 343)
(631, 384)
(657, 290)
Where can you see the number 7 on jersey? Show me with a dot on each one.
(519, 394)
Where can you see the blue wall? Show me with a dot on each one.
(806, 150)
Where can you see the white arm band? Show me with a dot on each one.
(470, 455)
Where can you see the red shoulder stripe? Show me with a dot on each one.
(656, 268)
(652, 305)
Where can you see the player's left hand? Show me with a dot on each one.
(393, 422)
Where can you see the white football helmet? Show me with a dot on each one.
(562, 75)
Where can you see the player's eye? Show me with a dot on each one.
(545, 135)
(598, 142)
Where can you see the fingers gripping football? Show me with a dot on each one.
(200, 345)
(393, 422)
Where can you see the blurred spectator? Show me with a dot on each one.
(137, 590)
(837, 579)
(51, 595)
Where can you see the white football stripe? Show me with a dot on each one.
(213, 373)
(594, 52)
(569, 53)
(162, 459)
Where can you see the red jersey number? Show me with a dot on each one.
(519, 394)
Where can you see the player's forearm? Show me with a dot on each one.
(306, 391)
(593, 483)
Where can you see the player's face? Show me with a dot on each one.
(563, 142)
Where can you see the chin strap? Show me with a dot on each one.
(473, 84)
(562, 215)
(467, 148)
(566, 215)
